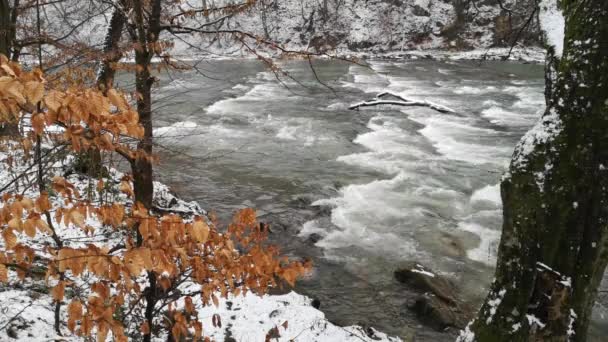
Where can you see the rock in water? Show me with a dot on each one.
(423, 279)
(436, 313)
(438, 306)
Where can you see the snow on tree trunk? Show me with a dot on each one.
(554, 244)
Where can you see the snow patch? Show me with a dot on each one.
(553, 24)
(546, 129)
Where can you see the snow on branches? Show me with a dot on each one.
(400, 101)
(105, 256)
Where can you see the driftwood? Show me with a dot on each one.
(400, 101)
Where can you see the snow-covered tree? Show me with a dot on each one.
(554, 244)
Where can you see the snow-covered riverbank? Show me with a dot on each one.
(27, 308)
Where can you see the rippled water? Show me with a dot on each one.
(378, 186)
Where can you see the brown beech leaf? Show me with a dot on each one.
(53, 100)
(74, 314)
(58, 291)
(145, 328)
(3, 274)
(34, 91)
(10, 239)
(30, 228)
(200, 231)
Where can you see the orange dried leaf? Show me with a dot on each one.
(77, 218)
(38, 123)
(200, 231)
(30, 228)
(74, 314)
(53, 100)
(34, 91)
(10, 239)
(15, 223)
(145, 328)
(117, 100)
(3, 274)
(58, 291)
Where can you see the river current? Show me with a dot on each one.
(359, 192)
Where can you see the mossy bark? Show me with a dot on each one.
(554, 244)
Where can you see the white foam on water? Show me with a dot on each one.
(486, 251)
(457, 140)
(389, 164)
(444, 71)
(520, 82)
(240, 87)
(338, 106)
(405, 85)
(241, 104)
(385, 136)
(287, 133)
(365, 80)
(178, 128)
(489, 193)
(312, 227)
(304, 130)
(468, 90)
(392, 150)
(531, 100)
(501, 116)
(366, 215)
(490, 103)
(180, 84)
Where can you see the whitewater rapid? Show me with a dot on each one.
(385, 215)
(359, 192)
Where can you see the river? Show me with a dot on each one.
(359, 192)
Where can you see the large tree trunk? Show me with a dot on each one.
(90, 162)
(5, 28)
(111, 50)
(141, 167)
(7, 36)
(554, 244)
(147, 36)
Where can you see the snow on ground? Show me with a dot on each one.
(26, 307)
(251, 317)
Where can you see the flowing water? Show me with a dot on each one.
(359, 192)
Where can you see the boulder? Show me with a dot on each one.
(314, 238)
(425, 280)
(440, 315)
(437, 306)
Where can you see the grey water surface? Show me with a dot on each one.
(359, 192)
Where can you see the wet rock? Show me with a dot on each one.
(314, 238)
(452, 245)
(301, 202)
(282, 288)
(371, 333)
(423, 279)
(438, 306)
(438, 314)
(316, 303)
(322, 210)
